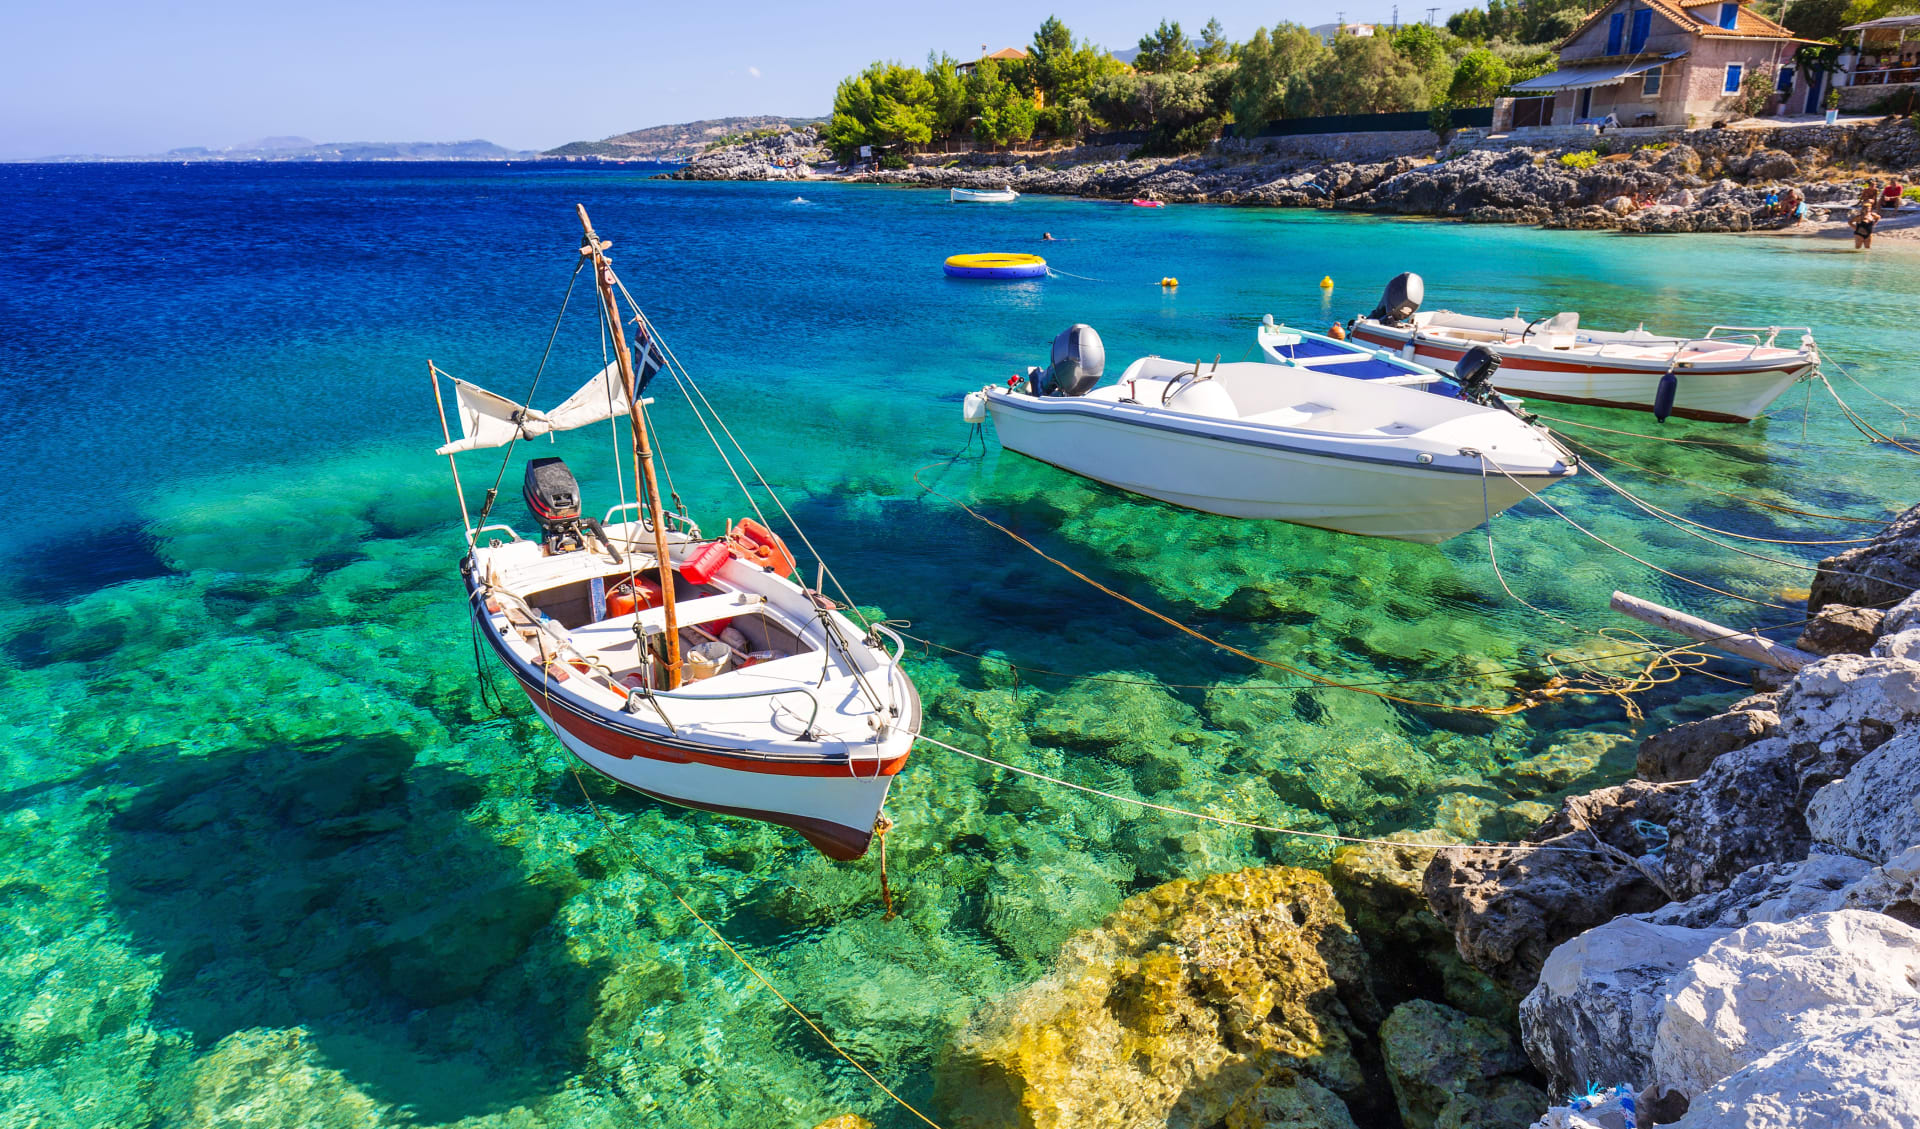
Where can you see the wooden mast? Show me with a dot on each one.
(643, 453)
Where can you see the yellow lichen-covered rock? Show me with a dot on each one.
(1184, 1005)
(845, 1121)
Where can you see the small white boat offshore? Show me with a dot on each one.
(1731, 375)
(691, 668)
(1380, 457)
(1002, 195)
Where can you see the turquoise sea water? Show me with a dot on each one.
(266, 849)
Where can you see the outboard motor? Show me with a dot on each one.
(553, 495)
(1401, 300)
(1474, 375)
(1079, 359)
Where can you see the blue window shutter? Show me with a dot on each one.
(1615, 25)
(1733, 79)
(1642, 25)
(1729, 15)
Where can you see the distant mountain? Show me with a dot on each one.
(674, 142)
(301, 149)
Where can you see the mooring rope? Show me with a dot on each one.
(1630, 556)
(641, 860)
(1070, 274)
(1324, 836)
(1530, 699)
(1613, 457)
(1859, 421)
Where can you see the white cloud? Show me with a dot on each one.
(754, 71)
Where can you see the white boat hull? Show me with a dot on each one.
(1725, 392)
(835, 813)
(1401, 501)
(982, 196)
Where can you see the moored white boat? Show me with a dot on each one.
(1257, 440)
(1002, 195)
(1732, 374)
(693, 669)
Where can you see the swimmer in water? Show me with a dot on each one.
(1046, 237)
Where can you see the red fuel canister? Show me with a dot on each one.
(701, 566)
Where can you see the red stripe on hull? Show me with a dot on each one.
(837, 842)
(626, 746)
(1425, 350)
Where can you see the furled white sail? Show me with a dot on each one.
(489, 420)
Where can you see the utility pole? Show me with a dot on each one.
(1431, 12)
(1396, 17)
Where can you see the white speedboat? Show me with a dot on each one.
(1730, 375)
(1381, 458)
(692, 669)
(1002, 195)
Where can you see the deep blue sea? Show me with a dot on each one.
(266, 848)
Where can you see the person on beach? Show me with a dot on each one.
(1863, 224)
(1869, 194)
(1890, 196)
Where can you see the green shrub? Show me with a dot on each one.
(1604, 146)
(893, 161)
(1585, 159)
(1911, 192)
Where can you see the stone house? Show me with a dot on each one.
(1656, 63)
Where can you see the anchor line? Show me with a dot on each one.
(720, 938)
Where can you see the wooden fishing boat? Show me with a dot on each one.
(1002, 195)
(1379, 457)
(690, 668)
(1732, 374)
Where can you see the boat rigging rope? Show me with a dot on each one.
(641, 860)
(674, 363)
(1324, 836)
(1485, 462)
(1613, 457)
(506, 459)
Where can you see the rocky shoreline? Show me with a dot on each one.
(1729, 939)
(1698, 180)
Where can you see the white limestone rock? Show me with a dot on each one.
(1874, 811)
(1893, 889)
(1593, 1016)
(1775, 891)
(1769, 984)
(1860, 1076)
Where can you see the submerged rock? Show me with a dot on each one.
(1839, 629)
(1768, 984)
(1447, 1068)
(1190, 1002)
(273, 1079)
(1412, 954)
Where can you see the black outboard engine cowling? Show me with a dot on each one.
(1474, 375)
(553, 494)
(1079, 359)
(1401, 300)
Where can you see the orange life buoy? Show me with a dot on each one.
(753, 542)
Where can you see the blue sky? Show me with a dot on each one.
(120, 76)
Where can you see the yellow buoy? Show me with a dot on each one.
(1169, 282)
(1326, 283)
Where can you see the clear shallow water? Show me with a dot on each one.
(262, 840)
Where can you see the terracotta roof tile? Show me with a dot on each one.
(1749, 24)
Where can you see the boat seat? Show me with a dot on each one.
(610, 636)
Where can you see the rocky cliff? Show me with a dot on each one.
(1748, 954)
(1699, 180)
